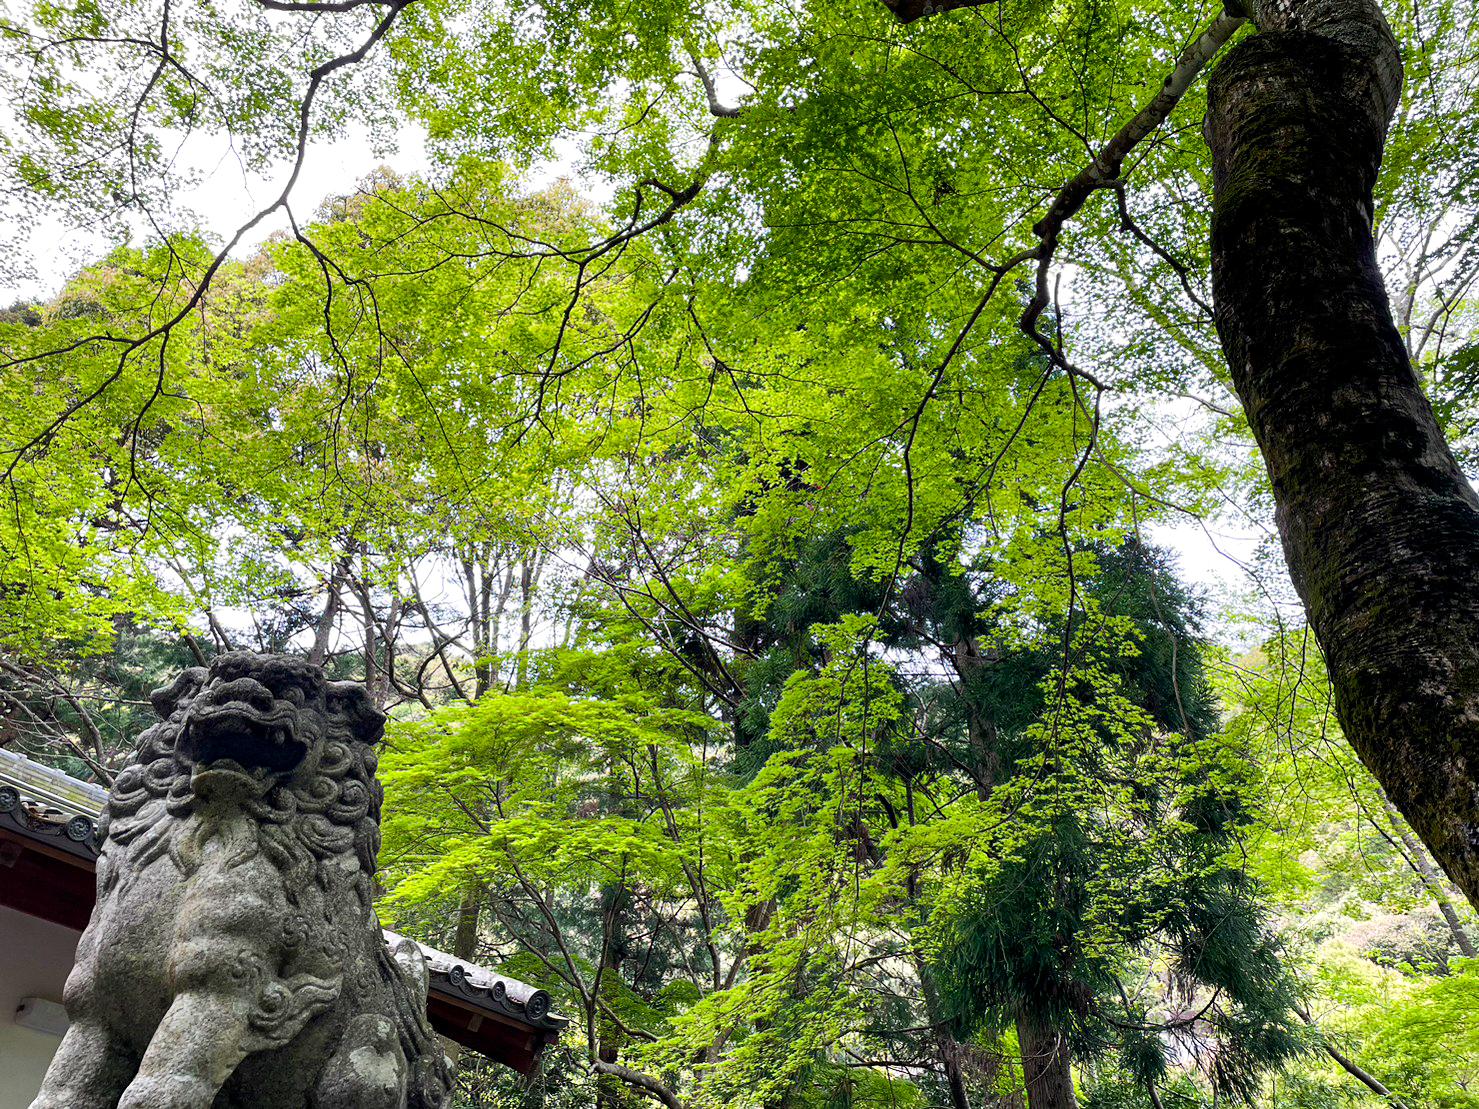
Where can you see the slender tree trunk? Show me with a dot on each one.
(526, 616)
(373, 683)
(1380, 527)
(614, 899)
(945, 1044)
(392, 632)
(1417, 855)
(218, 632)
(480, 572)
(465, 939)
(489, 620)
(980, 729)
(949, 1050)
(1046, 1067)
(325, 629)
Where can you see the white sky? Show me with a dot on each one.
(225, 198)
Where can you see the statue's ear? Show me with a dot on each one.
(350, 702)
(179, 692)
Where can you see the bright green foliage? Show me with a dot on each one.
(1420, 1033)
(1374, 930)
(1121, 865)
(798, 887)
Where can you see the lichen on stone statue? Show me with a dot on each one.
(233, 958)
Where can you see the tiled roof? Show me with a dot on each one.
(41, 801)
(485, 989)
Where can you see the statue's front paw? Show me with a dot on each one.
(172, 1092)
(368, 1071)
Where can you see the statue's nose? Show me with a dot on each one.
(249, 690)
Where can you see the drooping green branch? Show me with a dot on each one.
(1104, 170)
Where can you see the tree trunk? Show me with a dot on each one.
(1380, 527)
(374, 684)
(1417, 856)
(949, 1050)
(1046, 1067)
(945, 1044)
(465, 939)
(325, 629)
(526, 616)
(980, 729)
(609, 1040)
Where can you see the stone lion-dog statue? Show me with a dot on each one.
(233, 958)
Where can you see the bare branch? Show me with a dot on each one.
(1104, 170)
(636, 1079)
(163, 330)
(723, 111)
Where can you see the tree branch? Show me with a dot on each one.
(1350, 1066)
(636, 1079)
(1104, 170)
(723, 111)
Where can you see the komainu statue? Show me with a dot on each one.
(233, 958)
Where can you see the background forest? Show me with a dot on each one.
(760, 473)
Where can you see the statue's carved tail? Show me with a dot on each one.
(431, 1071)
(408, 957)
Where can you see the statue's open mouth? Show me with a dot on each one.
(237, 736)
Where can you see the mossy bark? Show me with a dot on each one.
(1046, 1068)
(1380, 527)
(465, 939)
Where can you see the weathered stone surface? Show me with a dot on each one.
(234, 958)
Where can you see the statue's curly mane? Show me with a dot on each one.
(304, 825)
